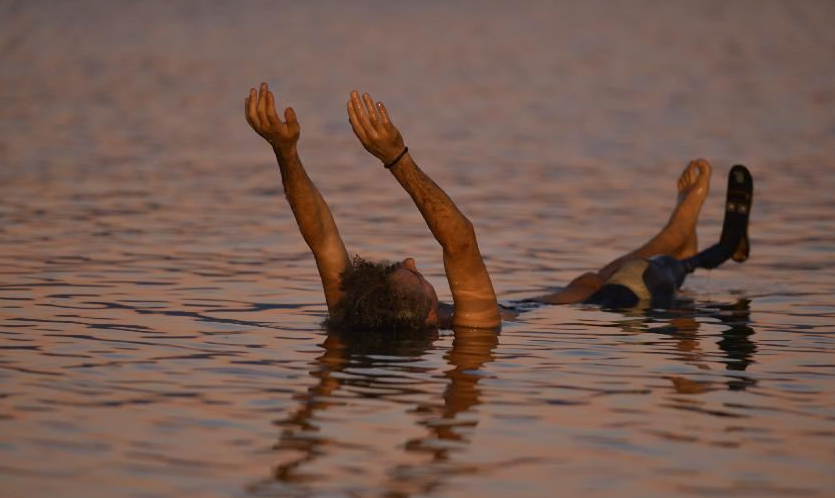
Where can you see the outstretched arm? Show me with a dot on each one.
(472, 291)
(312, 214)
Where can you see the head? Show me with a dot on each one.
(385, 297)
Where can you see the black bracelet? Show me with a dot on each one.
(397, 159)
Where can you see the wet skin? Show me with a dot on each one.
(472, 291)
(474, 299)
(410, 280)
(676, 239)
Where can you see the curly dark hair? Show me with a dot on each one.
(372, 303)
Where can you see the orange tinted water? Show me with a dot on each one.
(159, 313)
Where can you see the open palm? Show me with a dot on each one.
(259, 109)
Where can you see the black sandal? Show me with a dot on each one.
(737, 210)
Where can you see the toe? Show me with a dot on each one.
(688, 176)
(705, 168)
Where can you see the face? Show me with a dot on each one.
(408, 278)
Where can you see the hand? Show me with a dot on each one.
(260, 114)
(374, 129)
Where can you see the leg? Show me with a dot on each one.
(676, 239)
(578, 290)
(734, 240)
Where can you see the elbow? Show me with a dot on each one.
(462, 239)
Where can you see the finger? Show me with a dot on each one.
(384, 114)
(262, 104)
(272, 117)
(355, 125)
(371, 110)
(290, 116)
(251, 112)
(362, 116)
(359, 110)
(246, 112)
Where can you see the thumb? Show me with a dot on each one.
(290, 116)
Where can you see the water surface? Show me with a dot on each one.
(160, 315)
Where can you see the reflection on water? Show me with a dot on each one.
(680, 323)
(379, 369)
(160, 315)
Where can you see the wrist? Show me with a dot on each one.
(285, 152)
(394, 161)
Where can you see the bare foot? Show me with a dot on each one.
(678, 237)
(693, 187)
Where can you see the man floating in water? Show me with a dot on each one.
(395, 297)
(380, 296)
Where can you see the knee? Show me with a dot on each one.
(588, 280)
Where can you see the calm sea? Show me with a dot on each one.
(160, 314)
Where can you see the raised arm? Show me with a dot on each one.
(472, 291)
(312, 214)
